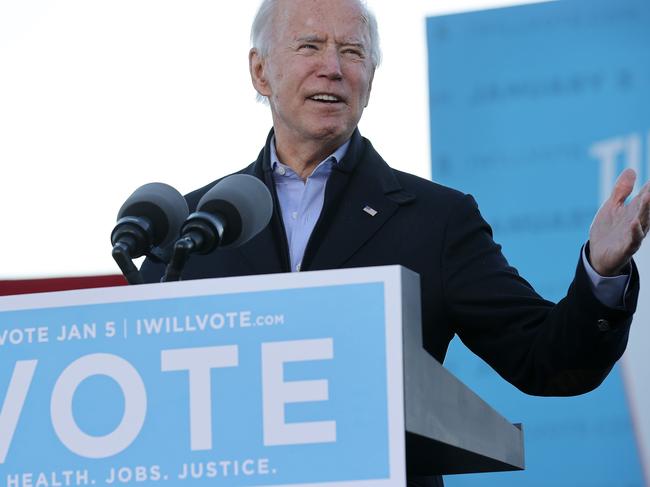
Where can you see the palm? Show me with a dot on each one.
(619, 228)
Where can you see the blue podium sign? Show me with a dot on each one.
(292, 379)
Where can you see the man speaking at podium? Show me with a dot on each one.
(338, 204)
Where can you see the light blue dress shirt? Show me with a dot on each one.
(301, 203)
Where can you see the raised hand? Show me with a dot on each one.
(619, 228)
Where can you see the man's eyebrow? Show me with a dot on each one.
(345, 43)
(310, 38)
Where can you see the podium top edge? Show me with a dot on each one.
(206, 287)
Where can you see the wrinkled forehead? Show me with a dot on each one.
(342, 21)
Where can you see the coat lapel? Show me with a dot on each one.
(267, 253)
(362, 194)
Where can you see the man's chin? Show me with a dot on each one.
(320, 131)
(324, 128)
(333, 134)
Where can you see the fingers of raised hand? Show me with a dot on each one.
(646, 188)
(624, 186)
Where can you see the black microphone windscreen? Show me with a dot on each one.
(162, 205)
(246, 204)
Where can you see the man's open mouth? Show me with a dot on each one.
(325, 98)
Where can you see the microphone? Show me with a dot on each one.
(231, 213)
(148, 221)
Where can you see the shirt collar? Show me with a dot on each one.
(335, 157)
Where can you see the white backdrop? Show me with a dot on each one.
(97, 98)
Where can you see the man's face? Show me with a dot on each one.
(318, 73)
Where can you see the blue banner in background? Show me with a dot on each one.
(534, 111)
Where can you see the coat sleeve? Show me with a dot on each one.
(542, 348)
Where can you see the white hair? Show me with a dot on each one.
(262, 32)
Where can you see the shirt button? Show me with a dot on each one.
(298, 266)
(294, 215)
(281, 170)
(603, 325)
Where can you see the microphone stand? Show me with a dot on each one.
(131, 236)
(122, 256)
(202, 232)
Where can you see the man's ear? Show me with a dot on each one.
(257, 68)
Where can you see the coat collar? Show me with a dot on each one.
(361, 195)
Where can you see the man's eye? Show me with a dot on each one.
(353, 52)
(308, 46)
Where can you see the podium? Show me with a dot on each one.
(298, 379)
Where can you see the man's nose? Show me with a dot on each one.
(331, 64)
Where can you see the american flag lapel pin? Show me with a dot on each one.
(370, 211)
